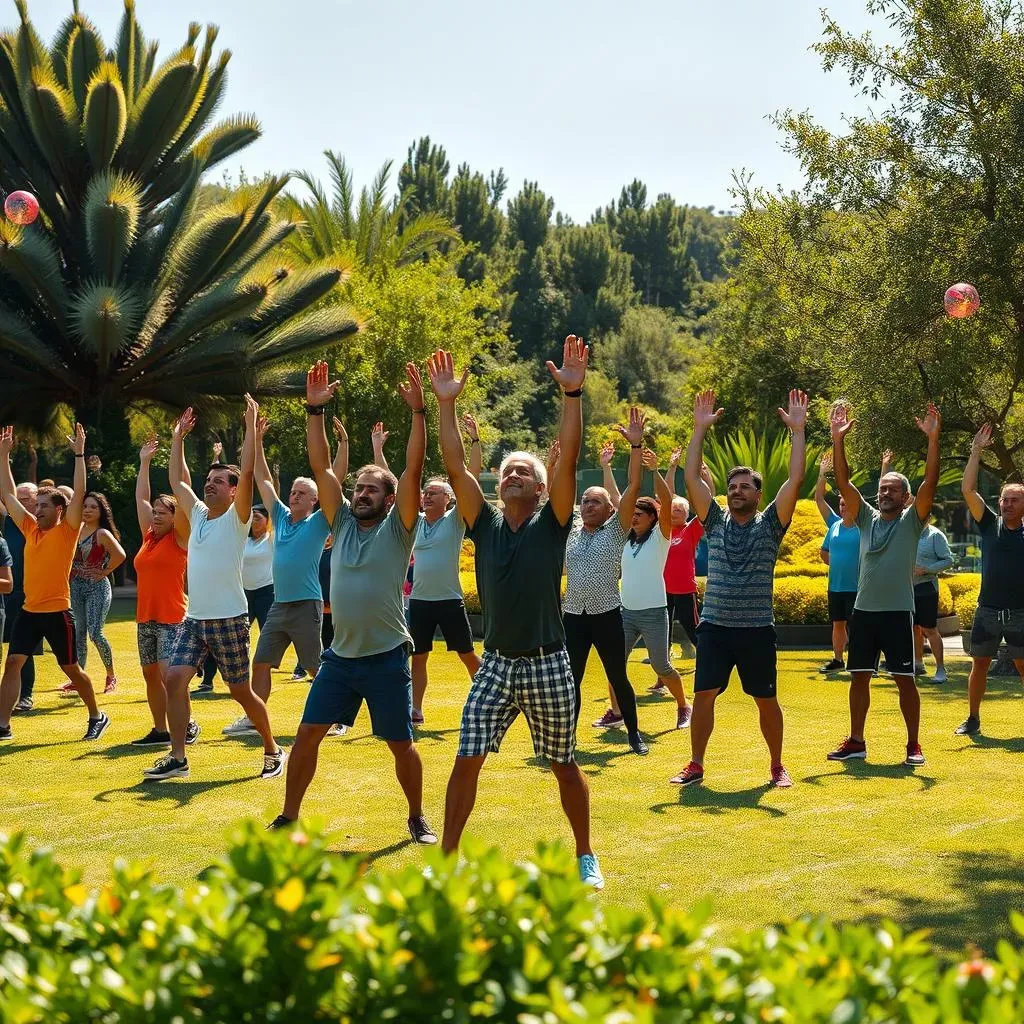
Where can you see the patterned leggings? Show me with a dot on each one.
(90, 603)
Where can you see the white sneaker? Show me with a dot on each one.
(337, 730)
(240, 727)
(940, 676)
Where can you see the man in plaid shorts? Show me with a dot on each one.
(520, 551)
(217, 621)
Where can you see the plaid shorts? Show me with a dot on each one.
(541, 688)
(156, 641)
(225, 640)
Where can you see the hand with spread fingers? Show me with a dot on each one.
(411, 390)
(573, 371)
(319, 388)
(447, 386)
(704, 412)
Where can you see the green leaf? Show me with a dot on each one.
(157, 119)
(32, 260)
(112, 204)
(85, 55)
(52, 115)
(227, 138)
(105, 319)
(319, 329)
(105, 116)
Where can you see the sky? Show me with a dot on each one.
(580, 97)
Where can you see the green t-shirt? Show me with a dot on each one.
(518, 577)
(888, 554)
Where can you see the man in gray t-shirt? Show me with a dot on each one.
(369, 657)
(883, 614)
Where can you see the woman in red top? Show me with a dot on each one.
(161, 602)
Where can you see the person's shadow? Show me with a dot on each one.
(859, 771)
(713, 801)
(176, 791)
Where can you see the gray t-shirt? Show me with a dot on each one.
(933, 554)
(888, 554)
(741, 567)
(368, 569)
(437, 549)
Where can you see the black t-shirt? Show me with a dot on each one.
(518, 576)
(1002, 563)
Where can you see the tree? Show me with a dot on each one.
(901, 205)
(122, 293)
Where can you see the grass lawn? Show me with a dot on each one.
(940, 847)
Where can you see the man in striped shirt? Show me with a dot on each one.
(737, 625)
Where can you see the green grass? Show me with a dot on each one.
(940, 847)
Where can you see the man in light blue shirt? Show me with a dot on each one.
(933, 557)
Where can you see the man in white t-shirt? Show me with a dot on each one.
(217, 620)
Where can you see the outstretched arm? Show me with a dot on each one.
(670, 473)
(570, 378)
(840, 424)
(704, 415)
(8, 494)
(661, 492)
(824, 466)
(930, 426)
(476, 453)
(143, 507)
(176, 472)
(794, 416)
(377, 438)
(447, 387)
(73, 515)
(243, 492)
(969, 485)
(634, 434)
(340, 464)
(261, 471)
(608, 476)
(411, 481)
(319, 391)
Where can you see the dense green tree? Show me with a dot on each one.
(423, 180)
(121, 293)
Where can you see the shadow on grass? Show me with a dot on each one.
(861, 770)
(713, 801)
(432, 734)
(984, 887)
(178, 792)
(370, 856)
(1012, 744)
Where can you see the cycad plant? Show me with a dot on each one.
(123, 294)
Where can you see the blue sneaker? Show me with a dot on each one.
(590, 871)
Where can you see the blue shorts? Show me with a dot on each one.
(382, 680)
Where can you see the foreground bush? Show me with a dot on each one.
(284, 930)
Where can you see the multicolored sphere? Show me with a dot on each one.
(961, 300)
(21, 207)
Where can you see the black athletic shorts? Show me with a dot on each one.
(840, 604)
(876, 633)
(751, 650)
(56, 628)
(926, 608)
(426, 616)
(684, 608)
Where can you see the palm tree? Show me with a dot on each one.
(124, 293)
(376, 232)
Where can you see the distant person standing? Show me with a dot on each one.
(933, 557)
(26, 494)
(840, 551)
(1000, 612)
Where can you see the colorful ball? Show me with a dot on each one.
(961, 300)
(21, 207)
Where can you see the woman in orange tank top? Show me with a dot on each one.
(161, 602)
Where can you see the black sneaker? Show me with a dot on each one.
(637, 745)
(168, 767)
(273, 764)
(280, 822)
(5, 732)
(835, 665)
(968, 727)
(97, 727)
(153, 738)
(421, 832)
(23, 705)
(192, 731)
(202, 690)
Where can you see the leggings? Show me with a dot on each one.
(90, 603)
(258, 607)
(603, 632)
(684, 607)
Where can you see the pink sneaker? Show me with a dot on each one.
(683, 717)
(609, 720)
(67, 690)
(110, 685)
(780, 777)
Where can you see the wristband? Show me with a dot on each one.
(635, 446)
(573, 394)
(79, 455)
(314, 410)
(473, 441)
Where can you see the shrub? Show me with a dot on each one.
(964, 588)
(282, 929)
(801, 600)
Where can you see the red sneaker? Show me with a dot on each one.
(849, 750)
(914, 755)
(691, 774)
(780, 777)
(110, 685)
(609, 720)
(67, 690)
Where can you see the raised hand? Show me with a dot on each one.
(78, 441)
(650, 459)
(888, 455)
(441, 370)
(6, 441)
(705, 475)
(252, 412)
(825, 465)
(704, 411)
(634, 432)
(261, 427)
(218, 451)
(379, 435)
(185, 424)
(149, 449)
(795, 414)
(840, 420)
(554, 452)
(469, 424)
(93, 464)
(932, 422)
(607, 453)
(983, 438)
(673, 459)
(575, 356)
(411, 390)
(340, 432)
(319, 388)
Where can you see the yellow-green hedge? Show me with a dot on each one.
(964, 588)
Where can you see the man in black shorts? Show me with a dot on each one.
(737, 622)
(883, 614)
(520, 551)
(1000, 613)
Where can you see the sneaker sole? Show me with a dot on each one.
(859, 755)
(914, 764)
(687, 782)
(608, 725)
(423, 842)
(967, 732)
(240, 732)
(180, 773)
(150, 743)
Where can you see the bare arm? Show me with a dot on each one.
(6, 580)
(634, 434)
(340, 464)
(377, 438)
(410, 483)
(794, 416)
(476, 452)
(608, 476)
(704, 415)
(931, 426)
(841, 424)
(73, 515)
(8, 493)
(447, 387)
(33, 465)
(825, 556)
(176, 472)
(670, 473)
(319, 391)
(143, 507)
(819, 488)
(261, 471)
(115, 553)
(570, 378)
(969, 485)
(661, 492)
(887, 457)
(247, 464)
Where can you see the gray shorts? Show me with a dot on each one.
(992, 626)
(651, 624)
(291, 622)
(156, 639)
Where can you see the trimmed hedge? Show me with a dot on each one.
(282, 929)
